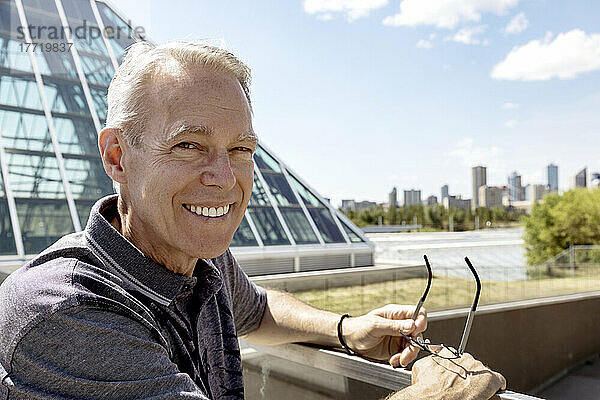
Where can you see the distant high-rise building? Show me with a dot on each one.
(516, 191)
(393, 198)
(432, 200)
(479, 179)
(552, 178)
(490, 196)
(412, 197)
(580, 180)
(445, 192)
(535, 192)
(456, 202)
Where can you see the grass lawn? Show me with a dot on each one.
(448, 292)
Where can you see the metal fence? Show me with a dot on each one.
(453, 287)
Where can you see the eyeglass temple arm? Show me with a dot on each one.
(465, 336)
(422, 300)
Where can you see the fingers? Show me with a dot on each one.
(396, 311)
(391, 327)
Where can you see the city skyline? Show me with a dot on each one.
(526, 189)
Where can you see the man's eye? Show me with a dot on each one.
(185, 145)
(243, 149)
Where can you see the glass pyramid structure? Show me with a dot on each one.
(55, 68)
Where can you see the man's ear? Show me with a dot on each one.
(111, 144)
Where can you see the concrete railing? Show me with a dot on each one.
(330, 361)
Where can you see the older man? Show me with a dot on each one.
(147, 302)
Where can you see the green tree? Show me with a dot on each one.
(561, 221)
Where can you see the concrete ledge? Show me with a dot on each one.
(300, 281)
(528, 341)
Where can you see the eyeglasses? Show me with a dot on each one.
(435, 348)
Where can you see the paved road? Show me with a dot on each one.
(497, 254)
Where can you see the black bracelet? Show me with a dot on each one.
(341, 336)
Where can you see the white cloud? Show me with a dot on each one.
(517, 25)
(510, 106)
(467, 35)
(471, 155)
(568, 55)
(424, 44)
(511, 123)
(324, 16)
(352, 9)
(446, 13)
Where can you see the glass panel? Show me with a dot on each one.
(259, 196)
(20, 92)
(9, 18)
(34, 174)
(43, 222)
(326, 225)
(86, 33)
(98, 70)
(265, 161)
(87, 178)
(76, 136)
(120, 35)
(65, 96)
(299, 225)
(281, 190)
(7, 238)
(25, 131)
(268, 226)
(308, 198)
(11, 54)
(244, 236)
(354, 238)
(99, 98)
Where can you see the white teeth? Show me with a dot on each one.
(208, 211)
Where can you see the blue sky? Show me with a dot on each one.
(358, 96)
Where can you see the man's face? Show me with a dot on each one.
(189, 182)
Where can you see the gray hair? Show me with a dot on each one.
(127, 108)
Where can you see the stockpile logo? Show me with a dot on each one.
(45, 32)
(56, 38)
(87, 31)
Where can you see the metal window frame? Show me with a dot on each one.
(126, 21)
(12, 206)
(49, 121)
(100, 24)
(274, 205)
(302, 205)
(78, 67)
(254, 229)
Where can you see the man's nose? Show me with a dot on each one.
(218, 171)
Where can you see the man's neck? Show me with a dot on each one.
(122, 222)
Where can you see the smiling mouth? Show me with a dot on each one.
(211, 212)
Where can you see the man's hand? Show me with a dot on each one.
(377, 334)
(461, 379)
